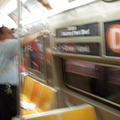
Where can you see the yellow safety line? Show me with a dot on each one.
(9, 67)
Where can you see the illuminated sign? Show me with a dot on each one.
(79, 48)
(112, 33)
(79, 31)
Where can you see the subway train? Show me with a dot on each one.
(74, 74)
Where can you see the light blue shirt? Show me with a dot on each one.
(8, 62)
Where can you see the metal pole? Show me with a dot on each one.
(19, 3)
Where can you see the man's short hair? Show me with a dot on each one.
(1, 29)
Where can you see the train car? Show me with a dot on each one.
(75, 72)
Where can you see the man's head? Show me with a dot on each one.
(5, 33)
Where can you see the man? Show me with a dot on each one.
(9, 70)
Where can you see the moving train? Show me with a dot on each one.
(74, 74)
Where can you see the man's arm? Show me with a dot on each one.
(28, 39)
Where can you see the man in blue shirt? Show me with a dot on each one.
(9, 80)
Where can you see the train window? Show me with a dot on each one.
(96, 81)
(34, 57)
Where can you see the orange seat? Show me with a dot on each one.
(46, 98)
(85, 113)
(34, 97)
(37, 94)
(81, 112)
(26, 90)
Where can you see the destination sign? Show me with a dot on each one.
(79, 48)
(79, 31)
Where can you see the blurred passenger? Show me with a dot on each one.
(9, 80)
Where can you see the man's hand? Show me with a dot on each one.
(44, 33)
(28, 39)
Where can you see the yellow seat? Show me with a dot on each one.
(46, 99)
(26, 90)
(37, 94)
(34, 97)
(81, 112)
(85, 113)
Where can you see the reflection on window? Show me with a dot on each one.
(94, 79)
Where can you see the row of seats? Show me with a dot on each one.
(35, 93)
(44, 98)
(81, 112)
